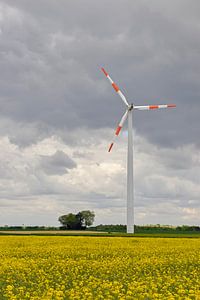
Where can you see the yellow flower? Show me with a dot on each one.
(92, 268)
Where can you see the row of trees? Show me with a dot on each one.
(85, 218)
(108, 228)
(147, 229)
(78, 221)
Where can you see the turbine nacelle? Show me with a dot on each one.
(130, 107)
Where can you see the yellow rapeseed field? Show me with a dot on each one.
(43, 268)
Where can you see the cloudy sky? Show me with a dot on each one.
(58, 112)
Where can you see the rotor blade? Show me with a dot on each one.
(116, 88)
(119, 127)
(147, 107)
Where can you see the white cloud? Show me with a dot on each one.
(96, 180)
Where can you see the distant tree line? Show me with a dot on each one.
(86, 220)
(146, 229)
(109, 228)
(28, 228)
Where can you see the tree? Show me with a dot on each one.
(87, 217)
(70, 221)
(79, 221)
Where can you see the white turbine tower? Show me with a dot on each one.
(129, 114)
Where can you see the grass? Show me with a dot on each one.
(99, 234)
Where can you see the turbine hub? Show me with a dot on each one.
(130, 107)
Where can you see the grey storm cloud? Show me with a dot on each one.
(59, 163)
(51, 56)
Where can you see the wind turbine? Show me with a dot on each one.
(129, 114)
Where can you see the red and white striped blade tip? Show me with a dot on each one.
(162, 106)
(116, 88)
(147, 107)
(104, 71)
(111, 145)
(118, 129)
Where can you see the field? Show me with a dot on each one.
(69, 267)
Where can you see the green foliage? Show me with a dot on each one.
(109, 228)
(87, 217)
(150, 229)
(70, 221)
(77, 221)
(27, 228)
(81, 221)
